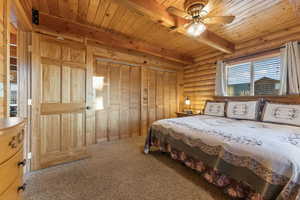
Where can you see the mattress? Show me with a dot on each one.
(265, 155)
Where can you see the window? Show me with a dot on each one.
(260, 77)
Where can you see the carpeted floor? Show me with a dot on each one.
(120, 171)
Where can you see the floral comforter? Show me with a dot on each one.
(265, 155)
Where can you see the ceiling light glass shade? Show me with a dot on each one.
(195, 29)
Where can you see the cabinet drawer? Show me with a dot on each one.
(14, 192)
(11, 170)
(10, 142)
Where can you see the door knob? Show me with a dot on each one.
(22, 188)
(22, 163)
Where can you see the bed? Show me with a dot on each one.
(249, 159)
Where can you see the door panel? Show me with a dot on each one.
(173, 94)
(117, 100)
(159, 96)
(135, 99)
(51, 50)
(51, 83)
(78, 78)
(77, 130)
(125, 102)
(144, 103)
(66, 84)
(50, 134)
(114, 102)
(166, 95)
(100, 84)
(62, 121)
(151, 96)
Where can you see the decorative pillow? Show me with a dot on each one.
(243, 110)
(215, 109)
(282, 113)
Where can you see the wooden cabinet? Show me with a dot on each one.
(11, 158)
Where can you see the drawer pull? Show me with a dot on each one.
(13, 142)
(21, 136)
(22, 163)
(22, 188)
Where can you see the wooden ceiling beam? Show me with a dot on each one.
(296, 6)
(109, 38)
(158, 13)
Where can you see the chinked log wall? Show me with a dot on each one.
(199, 78)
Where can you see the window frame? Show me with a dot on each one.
(252, 74)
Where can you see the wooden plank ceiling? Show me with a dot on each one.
(253, 19)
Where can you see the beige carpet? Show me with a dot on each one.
(120, 171)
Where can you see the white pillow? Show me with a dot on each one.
(215, 109)
(282, 113)
(243, 110)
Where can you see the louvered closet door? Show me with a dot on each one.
(62, 103)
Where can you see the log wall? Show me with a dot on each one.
(199, 78)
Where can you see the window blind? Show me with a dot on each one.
(267, 76)
(239, 79)
(260, 77)
(269, 68)
(239, 74)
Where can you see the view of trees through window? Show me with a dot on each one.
(260, 77)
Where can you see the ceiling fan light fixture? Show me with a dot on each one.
(195, 29)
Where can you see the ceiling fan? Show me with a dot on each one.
(195, 12)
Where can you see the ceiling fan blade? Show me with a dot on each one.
(175, 11)
(187, 25)
(219, 20)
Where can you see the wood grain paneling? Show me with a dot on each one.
(125, 101)
(101, 71)
(59, 104)
(159, 96)
(2, 56)
(199, 79)
(117, 95)
(253, 19)
(135, 99)
(131, 98)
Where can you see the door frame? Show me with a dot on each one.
(16, 14)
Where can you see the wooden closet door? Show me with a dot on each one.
(144, 102)
(166, 86)
(173, 93)
(125, 102)
(114, 102)
(159, 96)
(151, 96)
(118, 115)
(61, 130)
(135, 100)
(101, 87)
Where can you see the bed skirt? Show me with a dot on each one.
(237, 182)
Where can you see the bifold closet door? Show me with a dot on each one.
(117, 100)
(159, 96)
